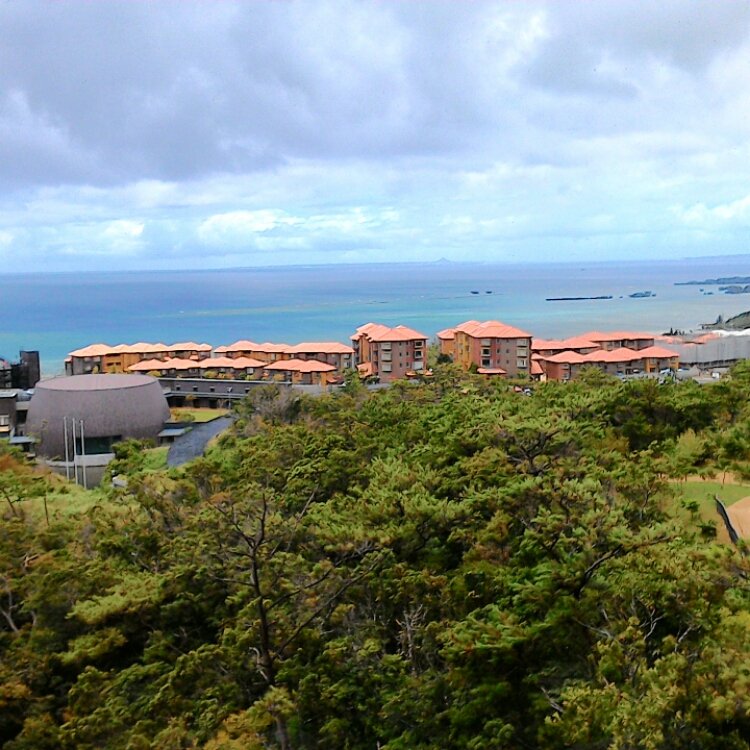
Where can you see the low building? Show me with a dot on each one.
(76, 420)
(301, 371)
(492, 345)
(635, 340)
(23, 374)
(389, 353)
(447, 342)
(103, 358)
(333, 353)
(566, 365)
(266, 352)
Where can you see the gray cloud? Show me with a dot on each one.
(502, 117)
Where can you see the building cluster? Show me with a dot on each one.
(23, 374)
(318, 363)
(387, 353)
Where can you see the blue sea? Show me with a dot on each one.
(58, 312)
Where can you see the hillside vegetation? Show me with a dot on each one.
(431, 566)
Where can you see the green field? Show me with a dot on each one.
(180, 413)
(703, 493)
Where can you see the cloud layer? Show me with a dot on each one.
(172, 134)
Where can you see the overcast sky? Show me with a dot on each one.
(215, 134)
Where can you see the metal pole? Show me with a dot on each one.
(75, 451)
(83, 456)
(67, 452)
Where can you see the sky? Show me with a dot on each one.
(218, 134)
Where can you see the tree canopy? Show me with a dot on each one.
(437, 565)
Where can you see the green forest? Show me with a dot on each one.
(436, 565)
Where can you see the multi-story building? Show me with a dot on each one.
(266, 352)
(102, 358)
(494, 347)
(333, 353)
(300, 371)
(389, 353)
(634, 340)
(447, 341)
(23, 374)
(623, 361)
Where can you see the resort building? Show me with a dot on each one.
(389, 353)
(232, 367)
(578, 344)
(301, 372)
(266, 352)
(333, 353)
(102, 358)
(623, 361)
(620, 339)
(494, 347)
(23, 374)
(447, 341)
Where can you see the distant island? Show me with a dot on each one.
(724, 280)
(736, 323)
(575, 299)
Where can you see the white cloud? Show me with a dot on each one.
(700, 215)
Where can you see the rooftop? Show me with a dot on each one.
(493, 329)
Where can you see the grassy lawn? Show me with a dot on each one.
(64, 500)
(702, 492)
(156, 458)
(198, 415)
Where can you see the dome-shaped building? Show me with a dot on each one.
(103, 408)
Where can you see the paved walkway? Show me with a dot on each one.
(192, 444)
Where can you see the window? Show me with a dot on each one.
(4, 420)
(485, 363)
(387, 367)
(521, 364)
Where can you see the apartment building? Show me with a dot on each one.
(301, 371)
(635, 340)
(333, 353)
(623, 361)
(103, 358)
(176, 367)
(389, 353)
(494, 347)
(266, 352)
(447, 341)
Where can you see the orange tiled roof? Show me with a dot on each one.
(243, 345)
(236, 363)
(190, 346)
(319, 347)
(598, 336)
(381, 333)
(567, 358)
(300, 365)
(447, 334)
(93, 350)
(491, 371)
(536, 368)
(491, 329)
(658, 352)
(147, 365)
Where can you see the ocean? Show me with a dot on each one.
(58, 312)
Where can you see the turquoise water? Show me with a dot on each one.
(56, 313)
